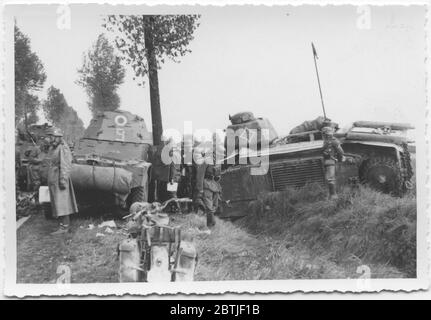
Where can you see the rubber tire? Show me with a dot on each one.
(387, 167)
(137, 194)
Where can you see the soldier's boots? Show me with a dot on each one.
(332, 191)
(200, 211)
(210, 219)
(62, 230)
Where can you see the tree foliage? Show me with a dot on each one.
(26, 107)
(170, 35)
(101, 74)
(63, 116)
(145, 41)
(29, 77)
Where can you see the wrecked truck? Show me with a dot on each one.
(377, 152)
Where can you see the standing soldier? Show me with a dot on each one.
(207, 190)
(63, 202)
(35, 157)
(332, 152)
(163, 173)
(211, 194)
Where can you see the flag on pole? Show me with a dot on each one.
(314, 51)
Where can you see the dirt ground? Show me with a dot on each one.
(90, 258)
(229, 252)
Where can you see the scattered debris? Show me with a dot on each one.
(200, 232)
(207, 231)
(25, 204)
(99, 234)
(110, 224)
(90, 227)
(108, 230)
(21, 221)
(243, 254)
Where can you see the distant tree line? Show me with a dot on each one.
(62, 116)
(30, 77)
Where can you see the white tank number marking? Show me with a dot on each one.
(120, 121)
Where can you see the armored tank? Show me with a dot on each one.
(113, 158)
(377, 153)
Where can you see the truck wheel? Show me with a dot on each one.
(383, 174)
(138, 194)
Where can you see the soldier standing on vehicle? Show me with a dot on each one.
(63, 202)
(332, 152)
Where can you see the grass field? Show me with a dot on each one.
(295, 234)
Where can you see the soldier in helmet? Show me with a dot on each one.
(163, 171)
(311, 125)
(35, 157)
(63, 202)
(332, 152)
(207, 191)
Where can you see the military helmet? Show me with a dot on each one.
(54, 132)
(328, 130)
(326, 122)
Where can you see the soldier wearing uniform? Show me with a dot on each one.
(163, 173)
(35, 157)
(311, 125)
(63, 202)
(332, 152)
(207, 188)
(210, 195)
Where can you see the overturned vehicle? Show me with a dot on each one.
(377, 153)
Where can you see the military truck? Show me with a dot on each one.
(112, 158)
(377, 153)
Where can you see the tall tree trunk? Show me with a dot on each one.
(156, 114)
(25, 117)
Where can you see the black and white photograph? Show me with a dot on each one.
(211, 149)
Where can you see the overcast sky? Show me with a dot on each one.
(259, 59)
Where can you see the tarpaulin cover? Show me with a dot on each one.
(111, 179)
(375, 137)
